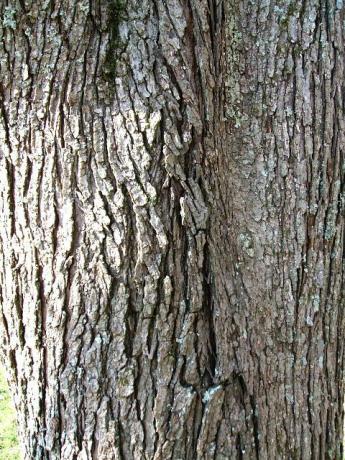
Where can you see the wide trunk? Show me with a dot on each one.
(172, 240)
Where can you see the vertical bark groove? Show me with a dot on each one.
(171, 254)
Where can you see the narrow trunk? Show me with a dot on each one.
(172, 193)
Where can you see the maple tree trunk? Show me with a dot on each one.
(172, 239)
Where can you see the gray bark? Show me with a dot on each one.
(172, 240)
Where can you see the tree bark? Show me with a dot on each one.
(172, 193)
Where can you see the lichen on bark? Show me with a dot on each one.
(180, 294)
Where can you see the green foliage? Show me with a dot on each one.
(116, 14)
(9, 449)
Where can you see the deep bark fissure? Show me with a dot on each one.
(172, 245)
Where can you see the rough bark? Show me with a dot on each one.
(172, 193)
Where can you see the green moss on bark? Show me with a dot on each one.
(116, 14)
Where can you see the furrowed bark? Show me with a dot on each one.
(172, 270)
(282, 277)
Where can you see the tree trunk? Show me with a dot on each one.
(172, 193)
